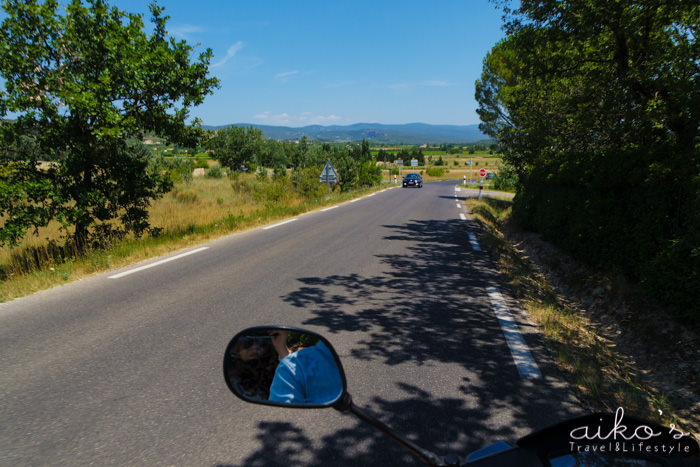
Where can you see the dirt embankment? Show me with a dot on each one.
(662, 350)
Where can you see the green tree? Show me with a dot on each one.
(273, 155)
(418, 155)
(84, 84)
(596, 106)
(584, 75)
(300, 153)
(236, 146)
(346, 168)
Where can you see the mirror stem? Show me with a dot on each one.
(346, 405)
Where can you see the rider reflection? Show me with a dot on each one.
(253, 362)
(306, 376)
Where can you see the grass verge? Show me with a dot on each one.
(191, 214)
(603, 376)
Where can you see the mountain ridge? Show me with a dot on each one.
(407, 133)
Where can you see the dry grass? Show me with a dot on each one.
(191, 213)
(603, 373)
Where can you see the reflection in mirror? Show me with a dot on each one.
(283, 366)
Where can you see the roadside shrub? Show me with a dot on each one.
(279, 173)
(243, 184)
(506, 179)
(201, 163)
(436, 171)
(306, 182)
(368, 174)
(273, 192)
(214, 171)
(179, 169)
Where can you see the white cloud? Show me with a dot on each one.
(184, 31)
(269, 118)
(409, 86)
(230, 53)
(307, 118)
(284, 77)
(340, 84)
(400, 86)
(436, 83)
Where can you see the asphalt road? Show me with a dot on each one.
(124, 368)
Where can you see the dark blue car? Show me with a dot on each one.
(412, 180)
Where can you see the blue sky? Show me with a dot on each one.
(337, 62)
(329, 62)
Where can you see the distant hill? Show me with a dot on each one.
(410, 133)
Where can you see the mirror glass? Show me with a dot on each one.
(283, 366)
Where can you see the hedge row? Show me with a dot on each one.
(625, 211)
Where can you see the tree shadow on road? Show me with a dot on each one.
(427, 307)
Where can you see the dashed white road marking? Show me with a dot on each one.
(474, 242)
(157, 263)
(525, 363)
(279, 223)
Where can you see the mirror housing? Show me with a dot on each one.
(285, 367)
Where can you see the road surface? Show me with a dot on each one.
(124, 368)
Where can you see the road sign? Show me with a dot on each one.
(414, 162)
(328, 174)
(482, 172)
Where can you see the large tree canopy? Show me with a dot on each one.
(82, 84)
(585, 75)
(597, 106)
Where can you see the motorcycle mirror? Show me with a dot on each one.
(284, 366)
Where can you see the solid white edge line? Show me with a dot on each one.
(524, 362)
(474, 242)
(328, 209)
(279, 223)
(157, 263)
(462, 216)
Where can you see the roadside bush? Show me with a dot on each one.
(243, 184)
(201, 163)
(306, 182)
(368, 174)
(273, 192)
(279, 173)
(506, 179)
(179, 169)
(214, 171)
